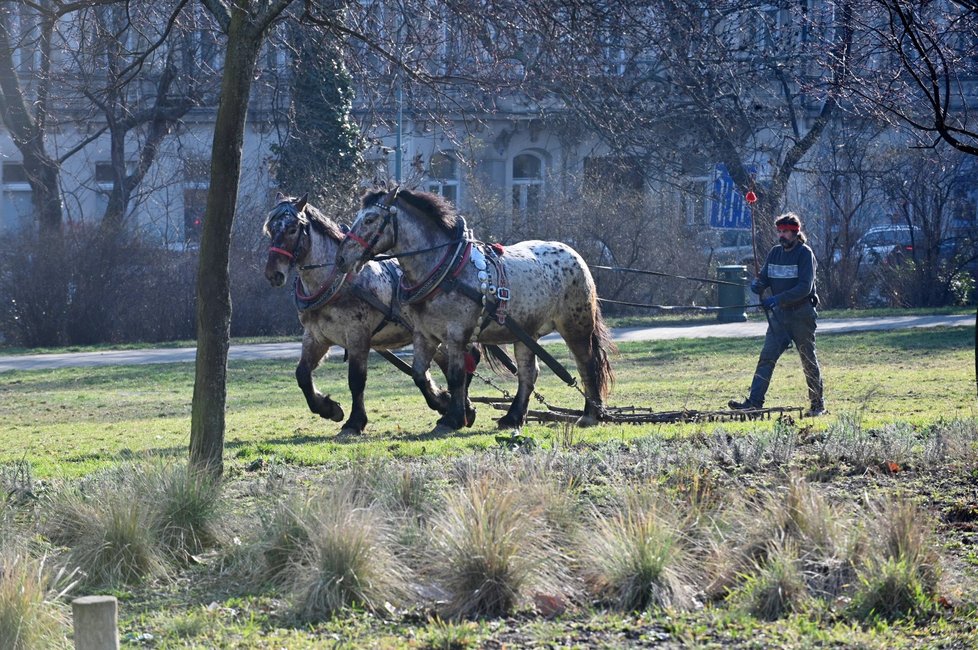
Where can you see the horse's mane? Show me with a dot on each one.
(431, 206)
(323, 224)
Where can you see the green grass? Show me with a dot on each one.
(70, 422)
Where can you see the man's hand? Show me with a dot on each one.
(757, 286)
(770, 302)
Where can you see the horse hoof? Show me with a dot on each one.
(470, 417)
(442, 430)
(506, 422)
(335, 414)
(586, 421)
(349, 432)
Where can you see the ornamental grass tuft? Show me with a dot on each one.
(31, 614)
(634, 556)
(900, 575)
(348, 559)
(491, 548)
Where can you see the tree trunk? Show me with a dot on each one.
(213, 278)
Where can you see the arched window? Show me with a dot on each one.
(443, 175)
(528, 174)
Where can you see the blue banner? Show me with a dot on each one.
(727, 206)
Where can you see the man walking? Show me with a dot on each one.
(789, 272)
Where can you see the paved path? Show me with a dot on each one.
(291, 350)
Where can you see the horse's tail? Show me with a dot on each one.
(498, 361)
(602, 347)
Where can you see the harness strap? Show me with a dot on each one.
(396, 361)
(450, 265)
(281, 251)
(389, 311)
(522, 335)
(329, 292)
(358, 239)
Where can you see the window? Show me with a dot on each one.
(618, 173)
(443, 172)
(195, 185)
(528, 173)
(17, 206)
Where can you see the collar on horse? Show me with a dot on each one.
(450, 266)
(327, 293)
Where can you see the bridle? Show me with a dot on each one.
(389, 218)
(288, 209)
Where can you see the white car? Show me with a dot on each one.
(882, 244)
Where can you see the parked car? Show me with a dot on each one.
(886, 243)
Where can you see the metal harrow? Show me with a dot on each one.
(644, 415)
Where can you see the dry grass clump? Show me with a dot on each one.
(188, 513)
(127, 525)
(109, 529)
(882, 562)
(348, 559)
(281, 536)
(635, 557)
(490, 548)
(899, 576)
(31, 615)
(826, 540)
(327, 549)
(777, 586)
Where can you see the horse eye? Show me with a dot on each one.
(291, 229)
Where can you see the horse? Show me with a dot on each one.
(357, 313)
(460, 290)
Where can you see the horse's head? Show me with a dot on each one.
(373, 231)
(288, 228)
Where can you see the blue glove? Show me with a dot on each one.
(757, 286)
(770, 302)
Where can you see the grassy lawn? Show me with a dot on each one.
(900, 445)
(73, 421)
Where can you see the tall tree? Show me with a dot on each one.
(26, 117)
(321, 151)
(245, 23)
(106, 50)
(681, 84)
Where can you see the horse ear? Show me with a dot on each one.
(279, 197)
(301, 203)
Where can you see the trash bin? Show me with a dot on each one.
(730, 298)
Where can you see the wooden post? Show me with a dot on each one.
(95, 623)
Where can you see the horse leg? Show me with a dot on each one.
(592, 365)
(476, 357)
(424, 351)
(357, 380)
(528, 371)
(454, 418)
(313, 351)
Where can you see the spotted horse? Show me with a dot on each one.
(358, 313)
(459, 290)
